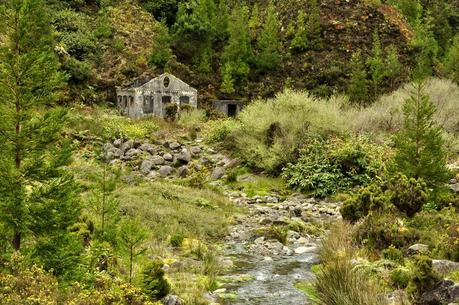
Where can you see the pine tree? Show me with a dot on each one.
(412, 9)
(358, 84)
(426, 48)
(39, 197)
(132, 237)
(308, 29)
(221, 26)
(238, 52)
(161, 51)
(419, 147)
(104, 202)
(227, 79)
(451, 62)
(269, 42)
(393, 66)
(254, 21)
(376, 64)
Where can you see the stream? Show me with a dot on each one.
(265, 271)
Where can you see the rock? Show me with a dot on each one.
(131, 153)
(137, 143)
(182, 171)
(195, 150)
(302, 240)
(446, 291)
(127, 145)
(454, 187)
(112, 153)
(157, 160)
(168, 157)
(453, 181)
(147, 147)
(264, 221)
(443, 266)
(268, 259)
(165, 171)
(172, 300)
(174, 145)
(146, 166)
(221, 290)
(117, 142)
(184, 156)
(217, 173)
(259, 240)
(152, 175)
(301, 250)
(417, 249)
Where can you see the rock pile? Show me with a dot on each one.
(161, 159)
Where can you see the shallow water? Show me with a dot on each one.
(272, 281)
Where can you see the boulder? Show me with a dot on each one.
(146, 166)
(172, 300)
(165, 171)
(184, 156)
(301, 250)
(454, 187)
(127, 145)
(117, 142)
(182, 171)
(417, 249)
(157, 160)
(111, 152)
(137, 143)
(443, 266)
(147, 147)
(445, 292)
(195, 150)
(453, 181)
(131, 153)
(217, 173)
(168, 157)
(174, 145)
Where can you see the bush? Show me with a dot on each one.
(393, 254)
(270, 133)
(177, 240)
(423, 278)
(191, 118)
(171, 112)
(400, 277)
(153, 282)
(329, 167)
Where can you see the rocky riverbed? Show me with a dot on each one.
(265, 270)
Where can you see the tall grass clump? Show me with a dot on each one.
(385, 115)
(271, 132)
(338, 282)
(192, 119)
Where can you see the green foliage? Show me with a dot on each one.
(358, 84)
(393, 66)
(326, 168)
(408, 195)
(426, 48)
(132, 236)
(162, 9)
(277, 232)
(419, 147)
(171, 111)
(238, 52)
(39, 196)
(269, 41)
(451, 60)
(400, 277)
(270, 133)
(423, 278)
(412, 9)
(153, 282)
(393, 254)
(161, 51)
(177, 240)
(376, 64)
(308, 29)
(254, 21)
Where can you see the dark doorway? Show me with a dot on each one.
(232, 110)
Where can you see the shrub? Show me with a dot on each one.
(423, 278)
(161, 52)
(171, 111)
(220, 131)
(400, 277)
(408, 195)
(177, 240)
(191, 119)
(270, 133)
(153, 282)
(328, 167)
(381, 230)
(393, 254)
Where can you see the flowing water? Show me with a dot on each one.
(271, 281)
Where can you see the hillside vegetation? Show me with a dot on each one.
(346, 150)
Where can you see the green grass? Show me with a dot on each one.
(257, 184)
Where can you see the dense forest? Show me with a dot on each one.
(337, 184)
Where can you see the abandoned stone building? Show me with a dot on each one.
(151, 98)
(229, 107)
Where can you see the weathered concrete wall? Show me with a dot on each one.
(224, 106)
(151, 98)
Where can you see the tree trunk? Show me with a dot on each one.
(16, 242)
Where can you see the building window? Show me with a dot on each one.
(166, 82)
(166, 99)
(148, 104)
(131, 101)
(125, 101)
(184, 100)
